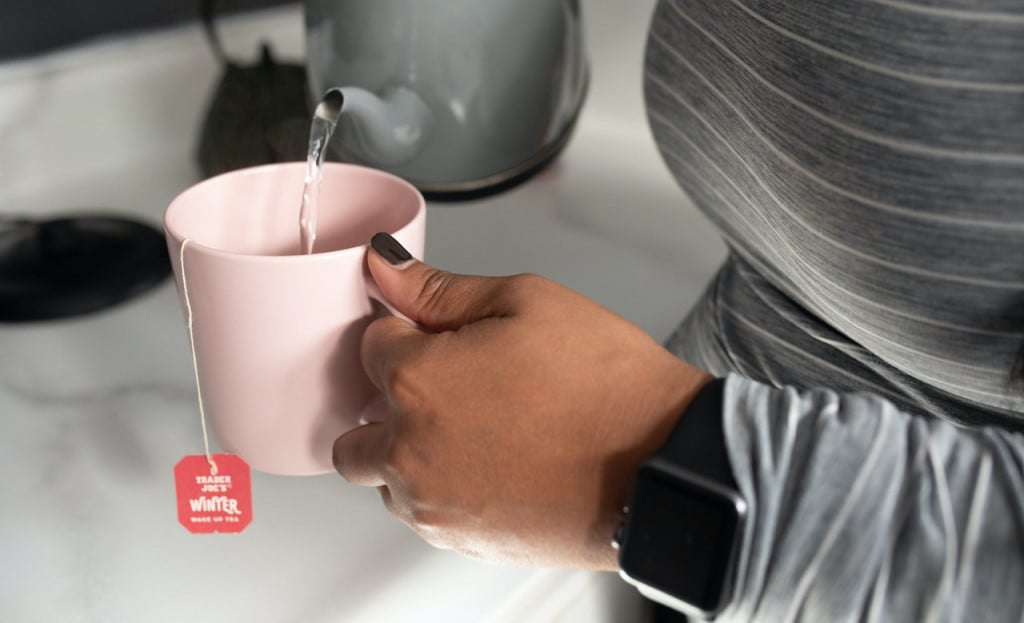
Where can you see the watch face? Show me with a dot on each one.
(681, 538)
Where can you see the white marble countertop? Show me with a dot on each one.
(95, 411)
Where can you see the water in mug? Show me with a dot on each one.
(320, 132)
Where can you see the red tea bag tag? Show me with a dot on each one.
(213, 499)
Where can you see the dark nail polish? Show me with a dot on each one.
(389, 249)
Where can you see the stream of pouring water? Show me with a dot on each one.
(322, 127)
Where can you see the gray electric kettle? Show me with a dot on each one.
(456, 96)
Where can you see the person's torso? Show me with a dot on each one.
(867, 159)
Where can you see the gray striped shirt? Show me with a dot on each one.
(864, 161)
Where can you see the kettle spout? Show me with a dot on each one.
(383, 130)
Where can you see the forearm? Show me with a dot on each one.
(861, 512)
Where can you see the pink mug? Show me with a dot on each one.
(277, 332)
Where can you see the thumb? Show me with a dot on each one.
(434, 298)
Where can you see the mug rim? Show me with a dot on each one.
(170, 231)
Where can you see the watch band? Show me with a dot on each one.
(697, 443)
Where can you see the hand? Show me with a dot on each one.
(518, 416)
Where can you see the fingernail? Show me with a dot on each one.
(390, 249)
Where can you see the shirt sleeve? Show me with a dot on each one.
(860, 512)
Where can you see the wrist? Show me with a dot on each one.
(680, 391)
(678, 394)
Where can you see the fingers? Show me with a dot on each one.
(386, 344)
(360, 455)
(434, 298)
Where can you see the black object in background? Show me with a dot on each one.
(258, 114)
(63, 267)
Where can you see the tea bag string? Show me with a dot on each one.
(195, 362)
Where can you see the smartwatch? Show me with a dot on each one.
(681, 536)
